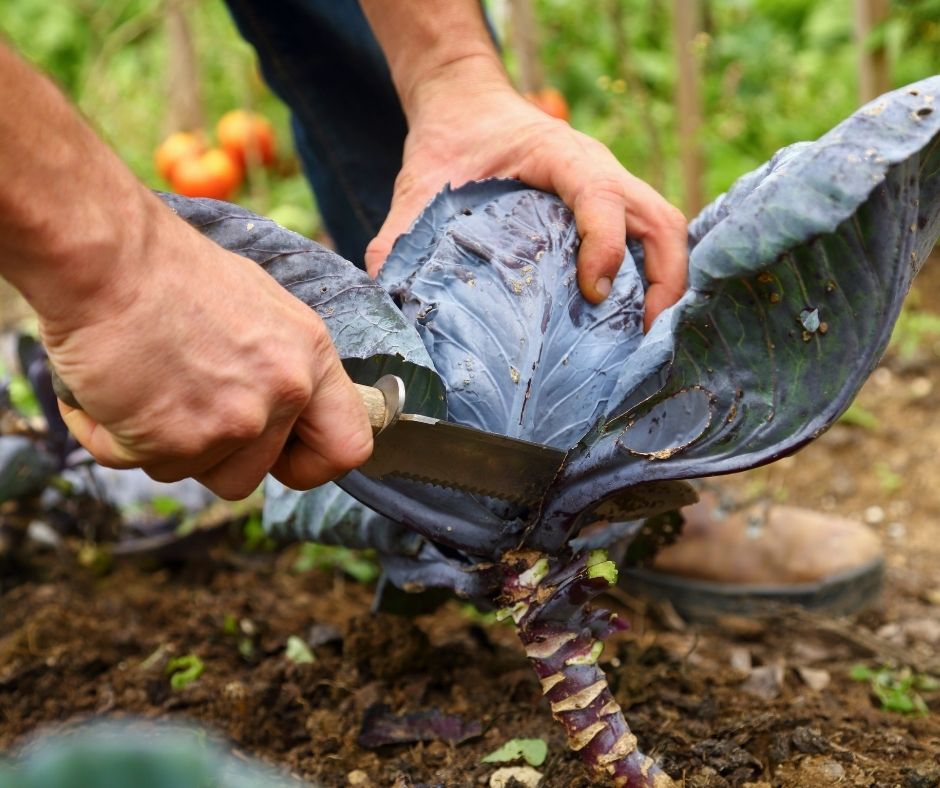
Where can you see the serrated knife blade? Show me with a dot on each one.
(439, 452)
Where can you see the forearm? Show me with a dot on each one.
(70, 211)
(435, 42)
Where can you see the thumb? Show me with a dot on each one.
(100, 443)
(408, 200)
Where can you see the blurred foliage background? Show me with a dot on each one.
(772, 72)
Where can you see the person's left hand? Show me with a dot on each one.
(460, 133)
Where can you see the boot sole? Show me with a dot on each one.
(700, 600)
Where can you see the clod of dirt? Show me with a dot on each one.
(765, 682)
(809, 742)
(916, 779)
(386, 646)
(816, 679)
(821, 771)
(515, 777)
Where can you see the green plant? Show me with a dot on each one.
(532, 751)
(298, 652)
(358, 564)
(914, 328)
(184, 670)
(897, 689)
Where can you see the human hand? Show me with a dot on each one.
(192, 361)
(464, 128)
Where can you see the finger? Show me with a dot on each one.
(332, 436)
(100, 443)
(408, 200)
(239, 474)
(599, 214)
(177, 468)
(664, 233)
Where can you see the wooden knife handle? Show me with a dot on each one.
(373, 398)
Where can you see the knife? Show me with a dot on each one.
(423, 449)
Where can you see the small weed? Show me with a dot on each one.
(22, 397)
(857, 416)
(358, 564)
(483, 617)
(230, 624)
(298, 652)
(165, 506)
(914, 327)
(184, 670)
(897, 690)
(532, 751)
(889, 480)
(256, 539)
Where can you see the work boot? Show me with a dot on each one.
(753, 560)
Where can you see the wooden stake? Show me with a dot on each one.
(687, 24)
(183, 85)
(874, 75)
(525, 41)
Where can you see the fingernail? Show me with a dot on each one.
(602, 286)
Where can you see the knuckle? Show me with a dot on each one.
(605, 191)
(245, 424)
(293, 392)
(673, 219)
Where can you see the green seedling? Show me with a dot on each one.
(897, 690)
(857, 416)
(165, 506)
(23, 398)
(230, 624)
(356, 563)
(256, 539)
(913, 328)
(298, 652)
(889, 480)
(184, 670)
(532, 751)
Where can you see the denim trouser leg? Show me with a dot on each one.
(321, 58)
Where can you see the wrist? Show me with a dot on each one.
(456, 77)
(93, 262)
(434, 47)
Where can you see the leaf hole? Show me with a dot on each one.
(923, 112)
(670, 425)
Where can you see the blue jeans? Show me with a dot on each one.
(321, 58)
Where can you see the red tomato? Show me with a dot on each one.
(213, 174)
(247, 137)
(175, 148)
(552, 102)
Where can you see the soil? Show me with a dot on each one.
(734, 703)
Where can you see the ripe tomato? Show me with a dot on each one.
(213, 174)
(175, 148)
(552, 102)
(247, 137)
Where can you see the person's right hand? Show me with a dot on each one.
(192, 361)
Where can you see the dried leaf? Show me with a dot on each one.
(380, 727)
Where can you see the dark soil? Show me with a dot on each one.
(732, 704)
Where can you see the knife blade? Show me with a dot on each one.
(433, 451)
